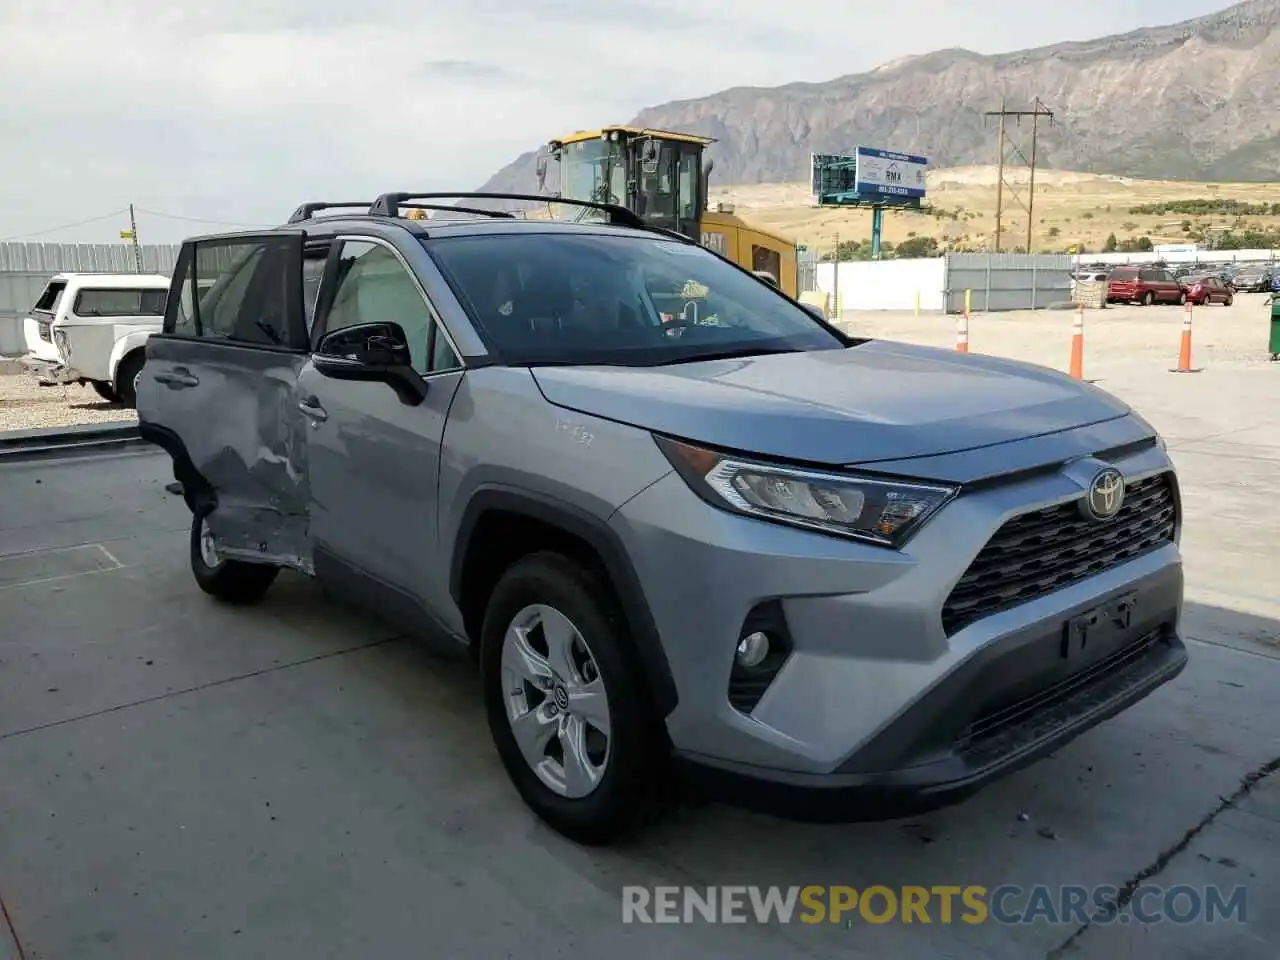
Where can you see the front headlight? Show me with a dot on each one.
(880, 511)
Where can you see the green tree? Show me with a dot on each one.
(916, 247)
(1110, 245)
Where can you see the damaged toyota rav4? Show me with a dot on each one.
(690, 532)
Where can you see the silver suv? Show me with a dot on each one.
(691, 533)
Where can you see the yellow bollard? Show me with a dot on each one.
(968, 298)
(917, 301)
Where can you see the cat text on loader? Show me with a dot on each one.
(661, 176)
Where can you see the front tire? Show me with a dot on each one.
(1148, 298)
(566, 706)
(1227, 302)
(231, 581)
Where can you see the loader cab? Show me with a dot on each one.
(657, 174)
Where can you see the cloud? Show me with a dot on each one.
(240, 110)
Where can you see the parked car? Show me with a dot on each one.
(1145, 285)
(684, 525)
(1092, 276)
(1252, 280)
(1208, 288)
(92, 328)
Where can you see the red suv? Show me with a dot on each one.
(1145, 285)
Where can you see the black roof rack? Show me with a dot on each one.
(389, 204)
(448, 208)
(308, 210)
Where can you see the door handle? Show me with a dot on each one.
(310, 407)
(179, 378)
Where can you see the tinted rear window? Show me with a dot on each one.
(123, 302)
(48, 301)
(1124, 273)
(586, 299)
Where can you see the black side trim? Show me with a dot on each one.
(607, 545)
(386, 602)
(196, 490)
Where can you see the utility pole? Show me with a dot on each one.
(1003, 146)
(999, 174)
(133, 237)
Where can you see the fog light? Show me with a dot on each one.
(752, 650)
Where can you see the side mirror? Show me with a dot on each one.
(372, 352)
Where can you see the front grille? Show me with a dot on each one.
(1036, 553)
(45, 331)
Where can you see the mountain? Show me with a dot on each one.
(1195, 100)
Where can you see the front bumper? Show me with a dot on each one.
(990, 746)
(879, 708)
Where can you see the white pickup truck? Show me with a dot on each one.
(93, 328)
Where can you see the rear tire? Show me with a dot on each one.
(1182, 299)
(104, 390)
(1148, 298)
(127, 374)
(630, 782)
(231, 581)
(1227, 302)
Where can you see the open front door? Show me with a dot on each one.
(218, 391)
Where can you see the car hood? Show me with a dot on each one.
(876, 401)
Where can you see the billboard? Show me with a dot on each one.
(832, 174)
(888, 174)
(869, 177)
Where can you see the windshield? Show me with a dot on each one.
(592, 170)
(590, 299)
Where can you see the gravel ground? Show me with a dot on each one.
(25, 405)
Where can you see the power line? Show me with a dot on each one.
(65, 226)
(126, 212)
(200, 219)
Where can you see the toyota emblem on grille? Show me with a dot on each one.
(1105, 496)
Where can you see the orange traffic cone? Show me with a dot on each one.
(1077, 344)
(1184, 351)
(962, 333)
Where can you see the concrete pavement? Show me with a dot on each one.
(179, 778)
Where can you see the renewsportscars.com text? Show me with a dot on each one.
(973, 904)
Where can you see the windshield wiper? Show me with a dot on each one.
(726, 355)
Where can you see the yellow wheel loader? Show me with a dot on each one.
(661, 176)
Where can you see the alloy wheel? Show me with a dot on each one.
(556, 701)
(208, 549)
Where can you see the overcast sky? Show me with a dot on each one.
(241, 111)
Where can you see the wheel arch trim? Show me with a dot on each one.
(199, 494)
(608, 546)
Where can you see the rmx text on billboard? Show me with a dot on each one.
(885, 173)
